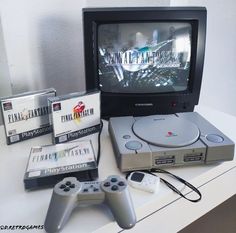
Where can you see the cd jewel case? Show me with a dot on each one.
(75, 115)
(49, 164)
(26, 115)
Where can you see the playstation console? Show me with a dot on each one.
(159, 141)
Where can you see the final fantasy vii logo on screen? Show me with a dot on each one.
(144, 57)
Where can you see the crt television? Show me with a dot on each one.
(145, 60)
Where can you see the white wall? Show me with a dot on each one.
(5, 81)
(44, 41)
(219, 76)
(44, 45)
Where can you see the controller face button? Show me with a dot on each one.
(72, 185)
(62, 186)
(95, 189)
(113, 180)
(67, 189)
(85, 190)
(114, 188)
(107, 184)
(68, 183)
(121, 183)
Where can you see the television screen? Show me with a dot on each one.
(145, 57)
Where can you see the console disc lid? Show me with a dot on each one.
(166, 131)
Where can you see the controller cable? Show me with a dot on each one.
(172, 187)
(99, 143)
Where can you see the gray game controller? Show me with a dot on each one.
(69, 193)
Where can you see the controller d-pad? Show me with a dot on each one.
(114, 188)
(121, 183)
(67, 186)
(107, 184)
(67, 189)
(62, 186)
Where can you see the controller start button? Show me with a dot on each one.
(133, 145)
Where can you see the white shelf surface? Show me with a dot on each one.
(164, 211)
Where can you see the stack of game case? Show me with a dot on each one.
(49, 164)
(26, 115)
(69, 117)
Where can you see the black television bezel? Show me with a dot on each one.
(124, 104)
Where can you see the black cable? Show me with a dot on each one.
(182, 181)
(99, 143)
(172, 187)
